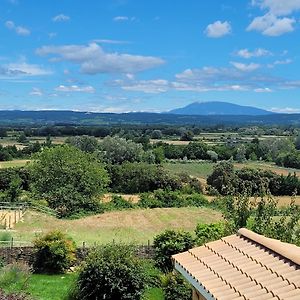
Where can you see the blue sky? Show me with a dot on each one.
(149, 55)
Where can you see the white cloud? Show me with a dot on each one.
(218, 29)
(112, 42)
(280, 62)
(36, 92)
(271, 25)
(245, 67)
(75, 88)
(147, 86)
(93, 60)
(278, 7)
(23, 69)
(123, 19)
(20, 30)
(61, 18)
(246, 53)
(262, 90)
(285, 110)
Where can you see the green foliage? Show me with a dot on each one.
(68, 179)
(118, 203)
(118, 150)
(55, 253)
(111, 272)
(222, 178)
(14, 190)
(134, 178)
(168, 243)
(254, 182)
(14, 277)
(196, 150)
(85, 143)
(266, 221)
(210, 232)
(175, 287)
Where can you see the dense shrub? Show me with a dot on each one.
(254, 182)
(141, 177)
(111, 272)
(118, 203)
(55, 253)
(211, 232)
(175, 287)
(168, 243)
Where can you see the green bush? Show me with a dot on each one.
(148, 200)
(197, 200)
(55, 253)
(175, 287)
(119, 203)
(211, 232)
(168, 243)
(111, 272)
(14, 277)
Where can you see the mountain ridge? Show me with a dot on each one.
(219, 108)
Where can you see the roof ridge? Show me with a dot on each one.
(289, 251)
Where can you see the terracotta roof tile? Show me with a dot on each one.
(243, 266)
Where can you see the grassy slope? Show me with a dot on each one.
(196, 169)
(138, 225)
(13, 163)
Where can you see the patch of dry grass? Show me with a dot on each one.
(131, 226)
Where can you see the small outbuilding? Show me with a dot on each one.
(242, 266)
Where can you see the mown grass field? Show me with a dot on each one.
(204, 169)
(195, 169)
(130, 226)
(14, 163)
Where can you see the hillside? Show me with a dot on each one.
(29, 118)
(218, 108)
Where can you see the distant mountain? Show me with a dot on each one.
(64, 118)
(219, 108)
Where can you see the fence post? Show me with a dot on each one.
(11, 243)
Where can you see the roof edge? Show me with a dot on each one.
(289, 251)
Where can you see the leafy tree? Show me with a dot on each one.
(223, 178)
(14, 190)
(156, 134)
(118, 150)
(111, 272)
(240, 155)
(68, 179)
(187, 135)
(55, 253)
(196, 150)
(169, 243)
(84, 143)
(22, 138)
(141, 177)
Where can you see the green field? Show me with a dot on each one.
(195, 169)
(13, 163)
(131, 226)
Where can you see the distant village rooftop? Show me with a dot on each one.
(242, 266)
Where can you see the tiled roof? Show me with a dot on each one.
(243, 266)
